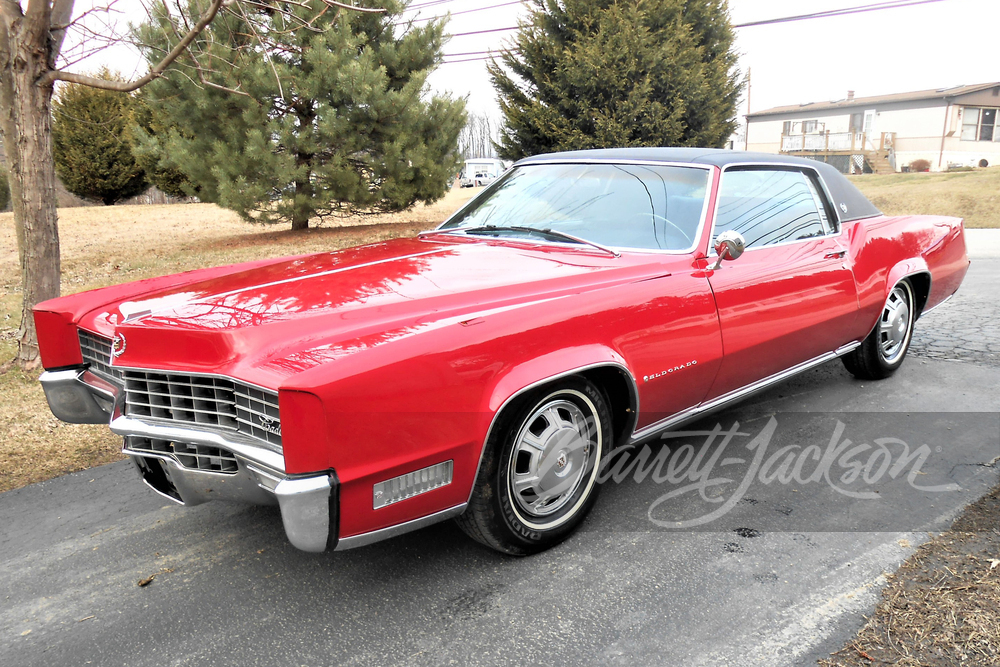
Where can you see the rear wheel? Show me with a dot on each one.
(883, 351)
(538, 477)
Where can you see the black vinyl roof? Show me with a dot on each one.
(847, 199)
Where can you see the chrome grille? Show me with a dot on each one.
(195, 457)
(257, 414)
(205, 400)
(96, 351)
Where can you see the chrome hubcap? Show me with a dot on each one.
(552, 455)
(894, 325)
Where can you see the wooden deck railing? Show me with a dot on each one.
(837, 142)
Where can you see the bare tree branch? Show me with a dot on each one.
(267, 57)
(62, 12)
(104, 9)
(208, 84)
(80, 54)
(184, 43)
(128, 86)
(295, 21)
(366, 10)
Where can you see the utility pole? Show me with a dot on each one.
(746, 118)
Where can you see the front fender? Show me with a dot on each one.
(548, 367)
(536, 372)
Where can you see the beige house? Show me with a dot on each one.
(947, 127)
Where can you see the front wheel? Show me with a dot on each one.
(538, 477)
(883, 351)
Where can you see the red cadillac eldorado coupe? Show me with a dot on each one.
(483, 369)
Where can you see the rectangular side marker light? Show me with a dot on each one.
(412, 484)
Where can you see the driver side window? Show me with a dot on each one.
(769, 206)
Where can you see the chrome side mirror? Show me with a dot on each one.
(728, 245)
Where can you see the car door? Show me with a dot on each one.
(791, 296)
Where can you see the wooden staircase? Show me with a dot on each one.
(879, 162)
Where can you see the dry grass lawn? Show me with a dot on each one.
(108, 245)
(973, 195)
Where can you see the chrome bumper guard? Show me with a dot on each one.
(78, 396)
(308, 504)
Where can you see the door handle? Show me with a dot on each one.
(836, 254)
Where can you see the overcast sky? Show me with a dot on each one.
(935, 45)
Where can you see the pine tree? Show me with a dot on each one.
(147, 125)
(90, 143)
(317, 121)
(610, 73)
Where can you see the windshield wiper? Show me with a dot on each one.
(552, 233)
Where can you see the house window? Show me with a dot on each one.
(857, 122)
(809, 126)
(978, 124)
(786, 127)
(987, 119)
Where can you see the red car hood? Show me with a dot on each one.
(256, 324)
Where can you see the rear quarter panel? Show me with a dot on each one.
(885, 249)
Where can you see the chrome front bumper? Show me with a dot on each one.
(308, 503)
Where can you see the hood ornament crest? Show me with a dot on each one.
(117, 345)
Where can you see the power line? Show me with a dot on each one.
(431, 3)
(481, 32)
(464, 11)
(465, 60)
(846, 11)
(480, 53)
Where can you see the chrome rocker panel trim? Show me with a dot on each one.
(736, 395)
(355, 541)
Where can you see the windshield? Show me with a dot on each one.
(648, 207)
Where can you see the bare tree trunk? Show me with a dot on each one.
(300, 211)
(300, 221)
(303, 181)
(26, 123)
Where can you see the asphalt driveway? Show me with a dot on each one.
(782, 577)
